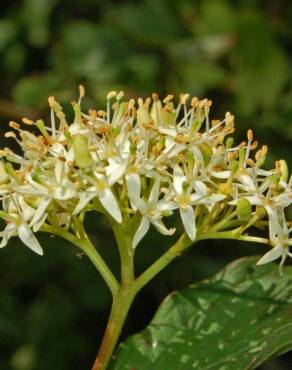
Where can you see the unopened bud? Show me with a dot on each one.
(229, 142)
(243, 209)
(284, 170)
(82, 154)
(261, 212)
(4, 178)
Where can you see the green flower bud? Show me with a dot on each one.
(284, 170)
(244, 210)
(229, 142)
(82, 154)
(4, 178)
(261, 212)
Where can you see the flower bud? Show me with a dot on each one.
(4, 178)
(229, 142)
(243, 209)
(261, 212)
(284, 170)
(82, 154)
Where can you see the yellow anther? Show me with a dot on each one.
(27, 121)
(111, 95)
(167, 99)
(120, 95)
(183, 98)
(10, 134)
(250, 135)
(229, 119)
(81, 91)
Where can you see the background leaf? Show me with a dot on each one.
(234, 321)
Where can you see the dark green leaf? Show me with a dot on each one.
(234, 321)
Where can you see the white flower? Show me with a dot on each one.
(185, 199)
(280, 242)
(19, 213)
(152, 212)
(261, 195)
(102, 190)
(56, 186)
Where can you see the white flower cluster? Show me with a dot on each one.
(142, 159)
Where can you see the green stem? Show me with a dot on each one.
(124, 238)
(120, 308)
(122, 300)
(87, 247)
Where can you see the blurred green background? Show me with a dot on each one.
(237, 52)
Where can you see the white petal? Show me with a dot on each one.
(85, 198)
(27, 212)
(178, 179)
(168, 131)
(162, 228)
(39, 223)
(220, 174)
(59, 171)
(57, 149)
(8, 232)
(70, 155)
(108, 200)
(27, 237)
(176, 149)
(200, 187)
(115, 171)
(195, 198)
(248, 182)
(138, 203)
(166, 205)
(141, 231)
(154, 194)
(133, 184)
(64, 193)
(40, 211)
(274, 222)
(272, 255)
(189, 222)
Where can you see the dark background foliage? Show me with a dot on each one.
(237, 52)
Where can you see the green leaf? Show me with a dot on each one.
(234, 321)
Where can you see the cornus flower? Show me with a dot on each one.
(138, 162)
